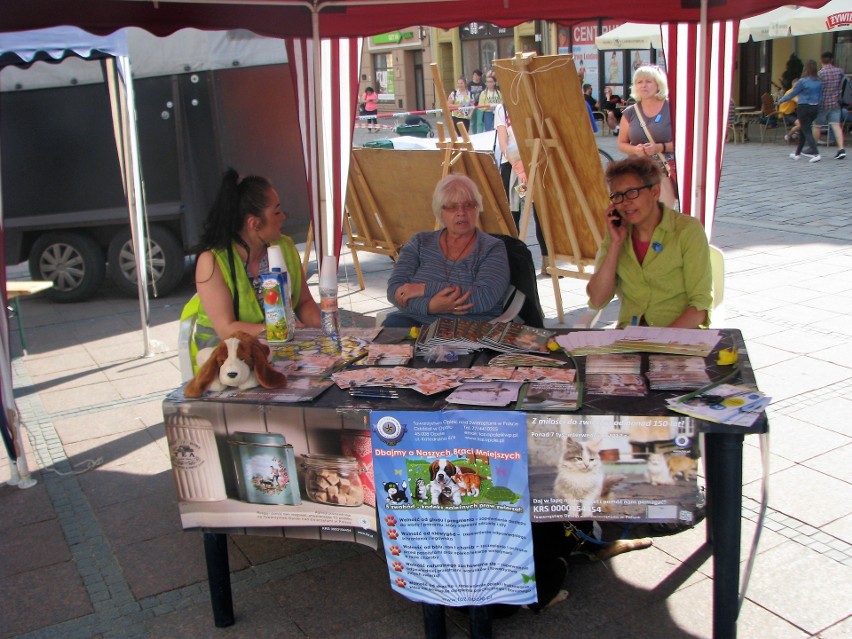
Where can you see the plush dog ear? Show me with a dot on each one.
(206, 374)
(267, 375)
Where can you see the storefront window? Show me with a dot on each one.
(383, 69)
(482, 43)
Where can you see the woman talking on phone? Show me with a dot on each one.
(655, 259)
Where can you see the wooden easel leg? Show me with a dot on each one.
(557, 292)
(353, 250)
(357, 265)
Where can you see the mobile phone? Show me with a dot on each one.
(617, 215)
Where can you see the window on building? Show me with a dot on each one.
(383, 70)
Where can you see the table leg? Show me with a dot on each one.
(724, 468)
(219, 578)
(434, 621)
(479, 618)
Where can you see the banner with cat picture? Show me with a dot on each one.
(453, 502)
(610, 467)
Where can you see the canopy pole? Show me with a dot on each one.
(326, 228)
(700, 142)
(120, 84)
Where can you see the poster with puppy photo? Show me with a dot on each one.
(453, 502)
(617, 468)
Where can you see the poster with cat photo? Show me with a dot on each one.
(616, 468)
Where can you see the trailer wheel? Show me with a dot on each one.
(72, 261)
(166, 263)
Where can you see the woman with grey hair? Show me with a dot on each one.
(458, 271)
(646, 127)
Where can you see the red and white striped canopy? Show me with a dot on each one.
(700, 74)
(326, 84)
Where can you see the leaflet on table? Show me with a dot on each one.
(238, 467)
(605, 467)
(676, 341)
(725, 404)
(454, 506)
(435, 380)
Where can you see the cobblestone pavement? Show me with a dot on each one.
(96, 550)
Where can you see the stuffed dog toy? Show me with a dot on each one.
(240, 361)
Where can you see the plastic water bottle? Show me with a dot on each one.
(329, 314)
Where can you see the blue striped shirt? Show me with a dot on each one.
(485, 271)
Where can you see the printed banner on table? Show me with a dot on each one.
(613, 468)
(241, 466)
(453, 501)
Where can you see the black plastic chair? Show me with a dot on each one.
(522, 277)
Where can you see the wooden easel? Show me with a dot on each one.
(557, 145)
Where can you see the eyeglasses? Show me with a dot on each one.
(465, 206)
(629, 194)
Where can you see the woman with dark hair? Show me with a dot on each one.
(809, 92)
(370, 106)
(244, 221)
(655, 259)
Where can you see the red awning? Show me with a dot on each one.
(349, 18)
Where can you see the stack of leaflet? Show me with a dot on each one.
(724, 404)
(459, 336)
(676, 372)
(638, 339)
(631, 364)
(387, 355)
(615, 375)
(524, 359)
(509, 337)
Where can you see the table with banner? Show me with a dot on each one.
(370, 469)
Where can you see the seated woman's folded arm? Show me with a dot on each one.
(491, 279)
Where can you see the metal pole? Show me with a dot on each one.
(134, 197)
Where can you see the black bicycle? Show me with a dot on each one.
(605, 157)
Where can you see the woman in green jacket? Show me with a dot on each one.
(244, 221)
